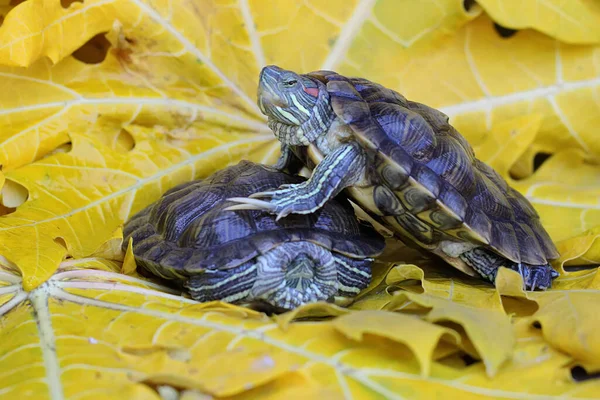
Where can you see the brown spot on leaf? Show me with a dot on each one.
(123, 49)
(67, 3)
(94, 50)
(123, 55)
(6, 210)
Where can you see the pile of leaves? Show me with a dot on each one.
(106, 104)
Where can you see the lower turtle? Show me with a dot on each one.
(405, 165)
(248, 257)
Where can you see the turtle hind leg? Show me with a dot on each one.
(231, 285)
(486, 263)
(539, 276)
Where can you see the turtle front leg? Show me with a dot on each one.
(341, 168)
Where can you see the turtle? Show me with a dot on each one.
(406, 166)
(247, 257)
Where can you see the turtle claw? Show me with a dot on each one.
(538, 277)
(281, 202)
(242, 207)
(534, 281)
(280, 191)
(250, 204)
(261, 194)
(521, 272)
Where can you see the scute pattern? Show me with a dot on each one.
(421, 144)
(187, 229)
(490, 199)
(446, 161)
(418, 142)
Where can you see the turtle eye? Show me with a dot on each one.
(289, 83)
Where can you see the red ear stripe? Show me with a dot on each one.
(314, 92)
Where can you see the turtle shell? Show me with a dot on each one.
(427, 180)
(187, 231)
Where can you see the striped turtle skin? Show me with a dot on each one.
(247, 257)
(405, 165)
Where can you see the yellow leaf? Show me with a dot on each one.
(335, 26)
(567, 318)
(569, 322)
(574, 21)
(490, 331)
(581, 249)
(507, 141)
(129, 265)
(111, 249)
(87, 334)
(295, 385)
(475, 305)
(398, 327)
(534, 368)
(443, 282)
(45, 28)
(309, 311)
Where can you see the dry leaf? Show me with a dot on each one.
(398, 327)
(83, 335)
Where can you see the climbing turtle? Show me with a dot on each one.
(248, 256)
(405, 165)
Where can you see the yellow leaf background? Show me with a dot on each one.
(106, 104)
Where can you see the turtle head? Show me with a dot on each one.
(300, 272)
(297, 105)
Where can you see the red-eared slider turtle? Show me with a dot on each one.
(405, 165)
(248, 256)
